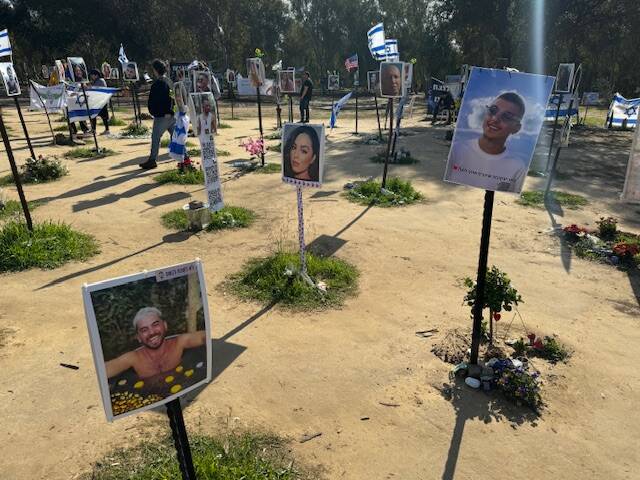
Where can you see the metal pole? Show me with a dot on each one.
(375, 96)
(290, 109)
(260, 122)
(303, 260)
(136, 105)
(553, 134)
(14, 171)
(476, 336)
(46, 111)
(181, 440)
(386, 158)
(356, 93)
(86, 104)
(24, 127)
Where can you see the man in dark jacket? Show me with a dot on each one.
(306, 90)
(161, 108)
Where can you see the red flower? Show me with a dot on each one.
(496, 316)
(538, 344)
(623, 249)
(531, 337)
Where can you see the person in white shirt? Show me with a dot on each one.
(487, 162)
(206, 124)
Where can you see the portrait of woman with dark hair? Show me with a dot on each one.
(302, 152)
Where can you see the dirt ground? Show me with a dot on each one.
(326, 372)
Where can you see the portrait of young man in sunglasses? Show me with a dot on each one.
(487, 162)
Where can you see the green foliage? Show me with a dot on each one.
(274, 136)
(186, 177)
(133, 130)
(520, 347)
(12, 209)
(268, 168)
(48, 246)
(552, 350)
(116, 122)
(223, 125)
(61, 128)
(42, 169)
(273, 279)
(84, 152)
(398, 192)
(275, 148)
(164, 143)
(536, 199)
(193, 152)
(402, 157)
(607, 227)
(498, 292)
(247, 456)
(227, 217)
(222, 153)
(521, 386)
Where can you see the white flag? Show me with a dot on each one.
(277, 66)
(5, 43)
(52, 97)
(122, 57)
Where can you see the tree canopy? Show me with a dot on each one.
(320, 34)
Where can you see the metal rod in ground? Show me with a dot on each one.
(136, 110)
(386, 116)
(356, 94)
(375, 96)
(290, 109)
(476, 335)
(553, 133)
(303, 259)
(552, 173)
(24, 127)
(260, 122)
(86, 104)
(46, 111)
(71, 142)
(386, 158)
(16, 174)
(217, 110)
(278, 115)
(181, 440)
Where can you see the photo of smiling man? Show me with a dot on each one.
(497, 130)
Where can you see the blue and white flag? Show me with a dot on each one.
(97, 97)
(623, 111)
(177, 147)
(5, 43)
(122, 57)
(552, 107)
(375, 37)
(336, 109)
(391, 50)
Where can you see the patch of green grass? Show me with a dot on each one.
(275, 148)
(223, 153)
(224, 125)
(133, 130)
(60, 119)
(193, 152)
(61, 128)
(188, 177)
(398, 192)
(116, 122)
(268, 168)
(6, 180)
(247, 456)
(401, 158)
(164, 143)
(48, 246)
(273, 279)
(85, 152)
(41, 170)
(227, 217)
(13, 208)
(536, 199)
(274, 136)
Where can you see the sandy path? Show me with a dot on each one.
(323, 372)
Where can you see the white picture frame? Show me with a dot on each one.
(78, 69)
(10, 79)
(130, 72)
(391, 80)
(313, 173)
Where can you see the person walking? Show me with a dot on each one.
(305, 97)
(160, 106)
(95, 77)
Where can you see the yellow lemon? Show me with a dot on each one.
(179, 368)
(176, 388)
(138, 384)
(188, 373)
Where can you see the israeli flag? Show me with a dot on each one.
(97, 97)
(375, 37)
(623, 111)
(336, 109)
(122, 57)
(277, 66)
(391, 50)
(5, 43)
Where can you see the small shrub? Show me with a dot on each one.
(116, 122)
(274, 136)
(48, 246)
(548, 348)
(85, 152)
(398, 192)
(536, 199)
(222, 153)
(43, 169)
(227, 217)
(275, 148)
(626, 251)
(520, 386)
(175, 219)
(273, 279)
(61, 128)
(12, 209)
(133, 130)
(224, 125)
(185, 177)
(193, 152)
(607, 227)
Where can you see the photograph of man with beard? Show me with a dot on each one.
(157, 353)
(391, 79)
(497, 129)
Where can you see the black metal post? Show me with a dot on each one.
(356, 93)
(181, 440)
(16, 174)
(260, 122)
(86, 104)
(24, 127)
(386, 158)
(553, 134)
(46, 111)
(290, 109)
(71, 142)
(476, 336)
(375, 96)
